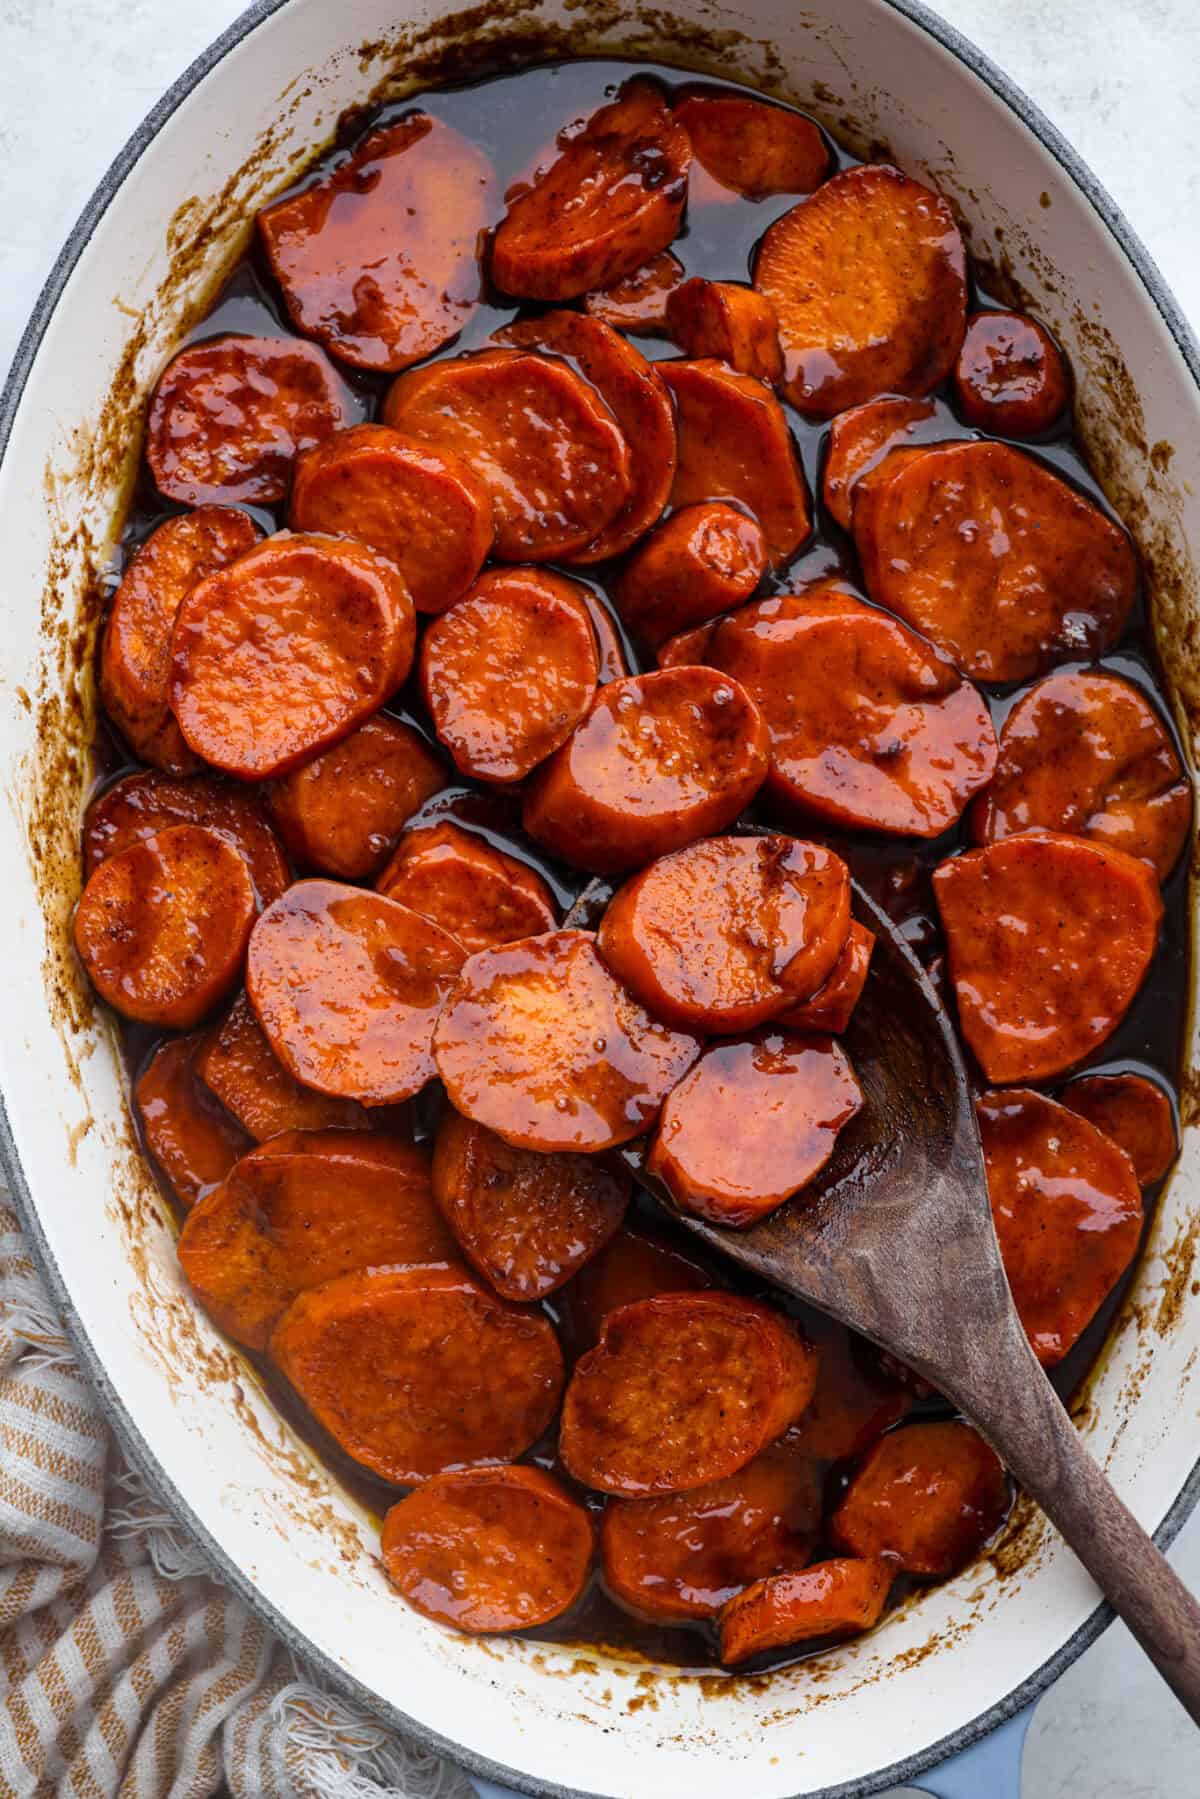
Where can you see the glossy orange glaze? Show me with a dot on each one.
(631, 1266)
(836, 1598)
(613, 662)
(482, 896)
(1135, 1113)
(860, 438)
(1010, 376)
(832, 1005)
(687, 647)
(752, 148)
(193, 1140)
(735, 324)
(927, 1496)
(638, 302)
(139, 804)
(238, 1065)
(342, 812)
(701, 561)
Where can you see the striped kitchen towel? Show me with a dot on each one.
(124, 1668)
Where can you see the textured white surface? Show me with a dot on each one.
(1121, 78)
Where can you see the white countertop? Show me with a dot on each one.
(1121, 78)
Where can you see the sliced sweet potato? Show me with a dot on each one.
(855, 1400)
(868, 281)
(722, 935)
(832, 1005)
(482, 896)
(304, 1209)
(638, 302)
(229, 417)
(734, 324)
(998, 562)
(755, 1120)
(1135, 1113)
(1048, 940)
(539, 437)
(422, 508)
(1067, 1210)
(162, 926)
(135, 657)
(1010, 376)
(613, 662)
(235, 1061)
(282, 654)
(347, 986)
(870, 728)
(682, 1390)
(613, 199)
(524, 1220)
(342, 812)
(926, 1496)
(419, 1370)
(509, 670)
(487, 1549)
(734, 444)
(193, 1140)
(660, 760)
(837, 1598)
(633, 1265)
(1087, 754)
(862, 436)
(142, 803)
(539, 1042)
(380, 258)
(698, 563)
(687, 648)
(752, 148)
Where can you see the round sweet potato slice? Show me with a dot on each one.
(135, 657)
(698, 563)
(1048, 940)
(1087, 754)
(488, 1549)
(304, 1209)
(1010, 376)
(926, 1496)
(734, 324)
(637, 303)
(632, 1265)
(538, 436)
(862, 436)
(509, 670)
(683, 1555)
(143, 803)
(752, 1124)
(416, 1371)
(1135, 1113)
(235, 1061)
(998, 562)
(614, 665)
(722, 935)
(682, 1390)
(660, 760)
(229, 417)
(752, 148)
(870, 728)
(342, 812)
(539, 1042)
(162, 926)
(1067, 1209)
(687, 648)
(734, 444)
(524, 1220)
(422, 508)
(477, 892)
(193, 1140)
(380, 258)
(868, 281)
(832, 1005)
(613, 199)
(347, 986)
(285, 652)
(837, 1598)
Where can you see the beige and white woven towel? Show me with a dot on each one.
(124, 1668)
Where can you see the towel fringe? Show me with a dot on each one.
(344, 1754)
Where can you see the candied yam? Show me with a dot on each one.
(752, 148)
(660, 760)
(683, 1555)
(1085, 753)
(837, 1598)
(1010, 376)
(687, 648)
(142, 803)
(613, 199)
(1067, 1210)
(229, 417)
(722, 935)
(524, 1220)
(379, 259)
(635, 394)
(998, 562)
(422, 508)
(304, 1209)
(632, 1265)
(416, 1371)
(832, 1005)
(1137, 1115)
(734, 444)
(638, 302)
(509, 670)
(860, 438)
(162, 926)
(870, 728)
(868, 281)
(487, 1549)
(855, 1400)
(1048, 939)
(347, 986)
(236, 1062)
(734, 324)
(193, 1140)
(613, 662)
(285, 652)
(698, 563)
(927, 1496)
(342, 812)
(682, 1390)
(752, 1124)
(482, 896)
(535, 433)
(135, 656)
